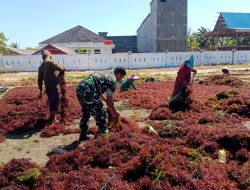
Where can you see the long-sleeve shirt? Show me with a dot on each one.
(48, 72)
(98, 83)
(184, 74)
(126, 85)
(182, 79)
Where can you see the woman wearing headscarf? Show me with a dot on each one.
(183, 78)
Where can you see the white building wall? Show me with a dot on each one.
(105, 49)
(127, 60)
(146, 33)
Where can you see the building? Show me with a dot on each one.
(124, 43)
(53, 49)
(17, 51)
(80, 40)
(233, 25)
(165, 28)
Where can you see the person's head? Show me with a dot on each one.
(119, 72)
(190, 62)
(46, 55)
(225, 70)
(132, 77)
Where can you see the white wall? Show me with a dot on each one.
(105, 49)
(131, 61)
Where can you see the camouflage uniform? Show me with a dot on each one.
(88, 94)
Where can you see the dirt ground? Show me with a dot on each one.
(30, 145)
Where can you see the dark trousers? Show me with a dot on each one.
(54, 100)
(96, 110)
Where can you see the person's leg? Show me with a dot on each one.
(84, 124)
(53, 98)
(99, 115)
(81, 96)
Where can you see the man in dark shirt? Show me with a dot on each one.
(90, 91)
(48, 73)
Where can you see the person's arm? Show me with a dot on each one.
(182, 75)
(110, 100)
(111, 105)
(194, 71)
(58, 67)
(103, 98)
(40, 81)
(134, 87)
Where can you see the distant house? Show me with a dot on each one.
(79, 40)
(124, 43)
(232, 25)
(53, 49)
(16, 51)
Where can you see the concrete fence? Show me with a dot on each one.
(127, 60)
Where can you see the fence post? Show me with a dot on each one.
(166, 58)
(233, 61)
(201, 55)
(90, 61)
(130, 61)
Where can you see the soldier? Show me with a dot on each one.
(49, 72)
(90, 91)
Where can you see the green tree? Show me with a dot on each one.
(191, 40)
(202, 40)
(31, 48)
(14, 45)
(3, 44)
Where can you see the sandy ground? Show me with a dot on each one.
(30, 145)
(30, 78)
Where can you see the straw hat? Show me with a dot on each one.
(133, 77)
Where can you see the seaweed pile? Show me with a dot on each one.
(184, 155)
(223, 80)
(21, 110)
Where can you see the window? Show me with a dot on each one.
(163, 1)
(97, 51)
(81, 51)
(84, 51)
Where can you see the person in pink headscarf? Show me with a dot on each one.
(128, 83)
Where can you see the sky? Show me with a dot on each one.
(29, 22)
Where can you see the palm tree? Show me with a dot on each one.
(14, 45)
(191, 40)
(202, 40)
